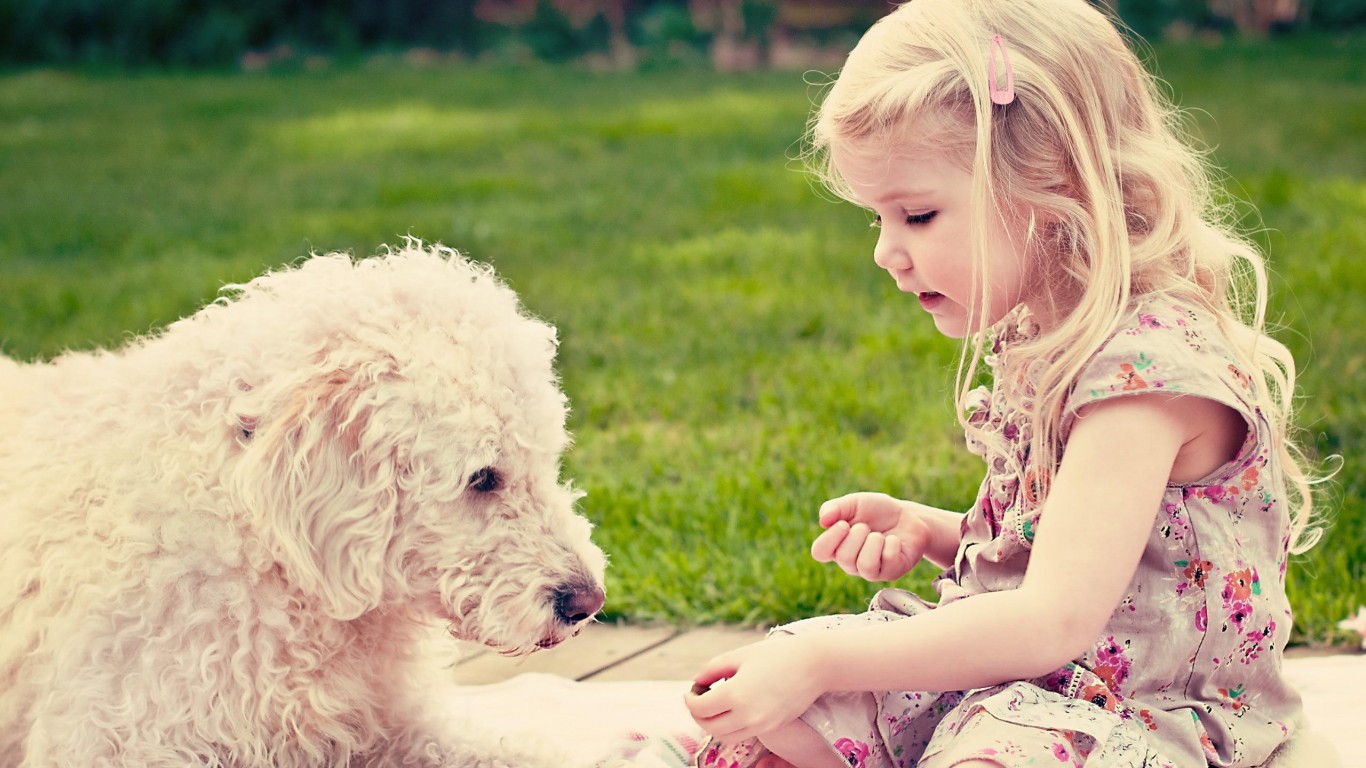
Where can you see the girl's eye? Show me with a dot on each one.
(911, 218)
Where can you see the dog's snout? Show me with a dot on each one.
(578, 602)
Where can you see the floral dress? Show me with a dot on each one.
(1188, 669)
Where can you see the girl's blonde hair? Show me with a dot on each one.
(1089, 159)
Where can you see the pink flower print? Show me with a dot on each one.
(1108, 650)
(687, 743)
(897, 725)
(1251, 647)
(1214, 493)
(1036, 482)
(1098, 694)
(1111, 652)
(1249, 650)
(855, 752)
(1112, 665)
(1130, 377)
(1242, 378)
(1234, 699)
(1202, 618)
(1207, 744)
(1195, 573)
(1056, 681)
(712, 758)
(1239, 611)
(1241, 585)
(1175, 524)
(1127, 605)
(993, 518)
(1146, 320)
(1060, 752)
(1147, 717)
(1250, 476)
(1113, 675)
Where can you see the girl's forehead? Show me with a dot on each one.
(877, 172)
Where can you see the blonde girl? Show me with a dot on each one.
(1115, 596)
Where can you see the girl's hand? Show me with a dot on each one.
(756, 689)
(871, 535)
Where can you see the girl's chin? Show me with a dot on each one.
(951, 330)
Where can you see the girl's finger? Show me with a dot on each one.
(869, 561)
(823, 548)
(847, 553)
(834, 511)
(705, 708)
(891, 558)
(726, 727)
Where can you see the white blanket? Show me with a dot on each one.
(597, 720)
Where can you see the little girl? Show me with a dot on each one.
(1116, 595)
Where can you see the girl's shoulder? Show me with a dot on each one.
(1165, 345)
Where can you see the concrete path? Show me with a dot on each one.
(1333, 685)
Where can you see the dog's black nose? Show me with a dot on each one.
(578, 602)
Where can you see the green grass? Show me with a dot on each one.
(733, 356)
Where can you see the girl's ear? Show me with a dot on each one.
(321, 496)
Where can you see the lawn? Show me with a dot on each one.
(732, 354)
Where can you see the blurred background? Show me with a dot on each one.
(633, 169)
(731, 34)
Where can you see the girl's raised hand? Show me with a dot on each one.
(871, 535)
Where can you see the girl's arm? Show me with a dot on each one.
(1101, 508)
(1099, 512)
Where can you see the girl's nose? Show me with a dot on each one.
(890, 253)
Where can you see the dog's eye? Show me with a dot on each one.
(485, 480)
(246, 427)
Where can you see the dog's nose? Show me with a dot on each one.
(578, 602)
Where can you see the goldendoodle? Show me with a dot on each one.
(224, 544)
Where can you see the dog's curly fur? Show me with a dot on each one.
(223, 544)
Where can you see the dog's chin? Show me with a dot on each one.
(555, 638)
(547, 641)
(560, 634)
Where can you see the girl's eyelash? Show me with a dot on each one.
(911, 218)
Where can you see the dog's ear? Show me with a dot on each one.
(324, 497)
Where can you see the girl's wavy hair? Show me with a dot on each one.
(1090, 160)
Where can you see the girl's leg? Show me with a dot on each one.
(798, 746)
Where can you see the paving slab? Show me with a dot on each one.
(596, 648)
(1334, 691)
(682, 656)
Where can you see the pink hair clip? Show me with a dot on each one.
(999, 95)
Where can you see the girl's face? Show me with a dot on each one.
(923, 205)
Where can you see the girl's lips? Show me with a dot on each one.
(929, 300)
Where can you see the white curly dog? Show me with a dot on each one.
(223, 544)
